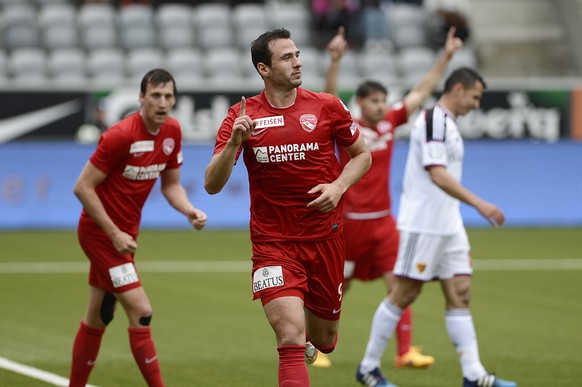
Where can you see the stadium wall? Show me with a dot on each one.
(537, 183)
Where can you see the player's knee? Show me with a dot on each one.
(107, 308)
(329, 348)
(145, 320)
(460, 298)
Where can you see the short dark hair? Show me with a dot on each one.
(260, 52)
(368, 87)
(157, 77)
(464, 75)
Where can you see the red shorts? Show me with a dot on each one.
(110, 270)
(312, 271)
(371, 247)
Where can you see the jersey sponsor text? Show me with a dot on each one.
(268, 122)
(284, 152)
(150, 172)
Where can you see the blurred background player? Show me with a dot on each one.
(113, 188)
(369, 227)
(289, 135)
(433, 240)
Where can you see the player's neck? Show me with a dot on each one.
(281, 98)
(151, 127)
(368, 123)
(448, 104)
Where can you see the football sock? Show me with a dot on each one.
(404, 332)
(383, 324)
(144, 353)
(292, 367)
(462, 333)
(85, 350)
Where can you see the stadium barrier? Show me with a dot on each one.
(536, 183)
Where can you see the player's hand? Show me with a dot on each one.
(124, 243)
(197, 218)
(328, 199)
(243, 125)
(338, 45)
(492, 213)
(453, 43)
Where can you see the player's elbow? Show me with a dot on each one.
(368, 161)
(212, 187)
(79, 190)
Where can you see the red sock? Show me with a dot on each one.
(85, 350)
(404, 332)
(144, 353)
(292, 368)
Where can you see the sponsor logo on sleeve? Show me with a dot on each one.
(436, 150)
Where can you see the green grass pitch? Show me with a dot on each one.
(208, 332)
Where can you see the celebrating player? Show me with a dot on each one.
(288, 135)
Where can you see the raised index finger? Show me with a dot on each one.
(243, 107)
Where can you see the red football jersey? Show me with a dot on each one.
(133, 159)
(291, 151)
(371, 194)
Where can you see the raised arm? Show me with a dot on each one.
(220, 167)
(336, 48)
(425, 87)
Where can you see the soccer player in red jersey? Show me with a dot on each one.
(369, 226)
(113, 188)
(288, 135)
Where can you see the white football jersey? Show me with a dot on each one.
(424, 207)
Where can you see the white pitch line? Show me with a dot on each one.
(245, 266)
(526, 264)
(35, 373)
(143, 267)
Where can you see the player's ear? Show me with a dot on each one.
(458, 88)
(264, 70)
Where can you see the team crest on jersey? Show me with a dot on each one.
(168, 145)
(421, 266)
(308, 122)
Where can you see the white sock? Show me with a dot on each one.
(385, 320)
(462, 333)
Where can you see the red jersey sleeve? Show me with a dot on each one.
(397, 115)
(345, 130)
(112, 150)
